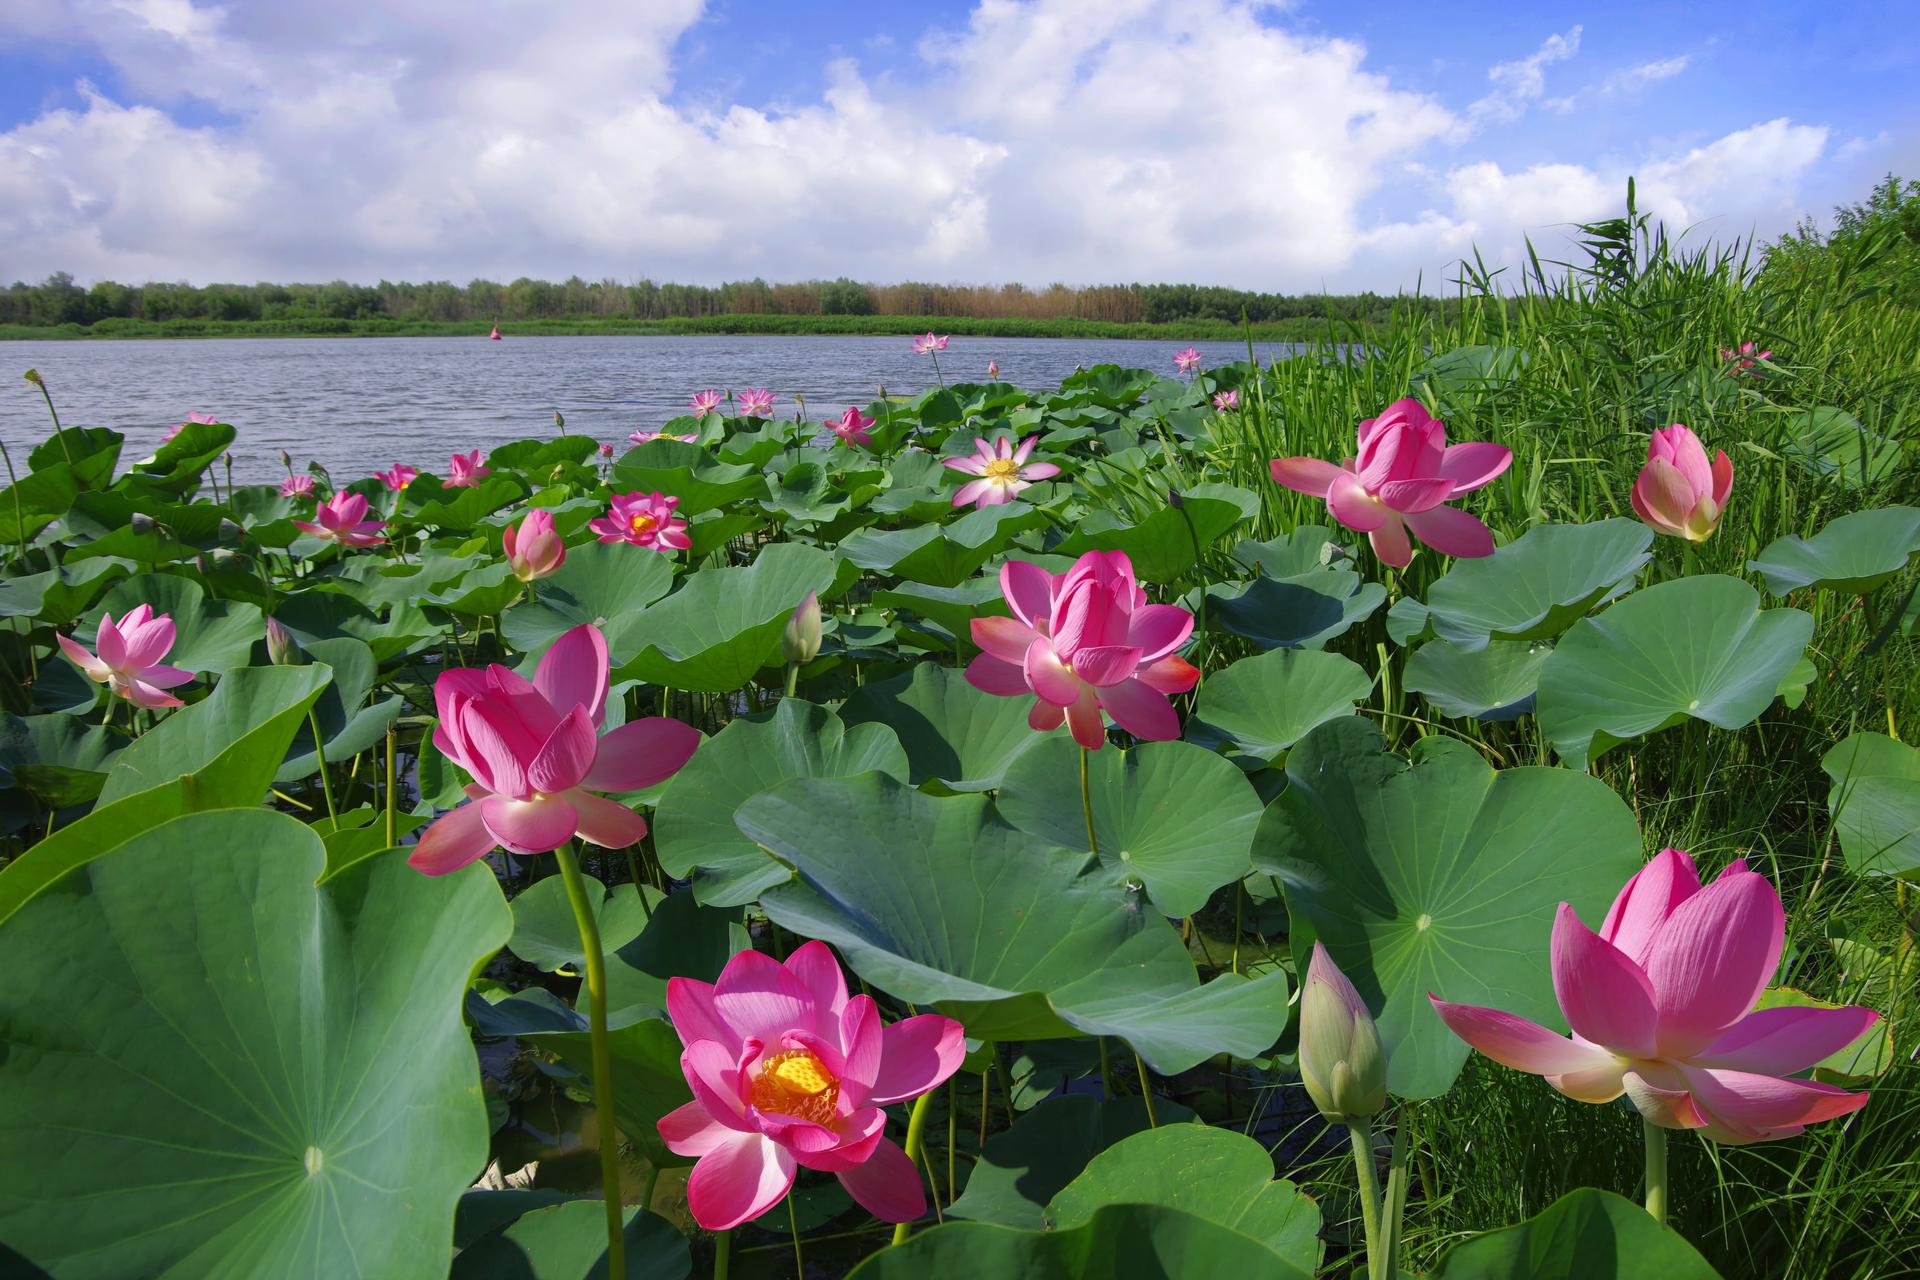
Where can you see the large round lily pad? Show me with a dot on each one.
(1495, 682)
(1875, 802)
(1260, 706)
(942, 904)
(242, 1073)
(1438, 874)
(953, 733)
(1539, 584)
(1694, 647)
(1588, 1234)
(1853, 554)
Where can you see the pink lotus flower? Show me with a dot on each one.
(606, 450)
(1085, 641)
(1187, 361)
(537, 757)
(1003, 470)
(1743, 360)
(129, 659)
(343, 519)
(756, 402)
(706, 402)
(643, 436)
(1661, 1005)
(398, 478)
(926, 344)
(993, 368)
(1225, 401)
(1405, 474)
(851, 426)
(645, 520)
(297, 487)
(787, 1070)
(464, 470)
(534, 549)
(192, 418)
(1678, 491)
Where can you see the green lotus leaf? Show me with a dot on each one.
(209, 635)
(379, 584)
(1259, 706)
(1438, 874)
(178, 464)
(456, 510)
(1853, 555)
(1539, 584)
(1699, 647)
(941, 903)
(569, 1241)
(746, 448)
(536, 459)
(92, 452)
(483, 1212)
(949, 608)
(546, 936)
(606, 584)
(723, 625)
(712, 530)
(480, 592)
(680, 939)
(1833, 444)
(1171, 540)
(1174, 816)
(805, 493)
(348, 724)
(687, 472)
(1021, 1168)
(1407, 621)
(693, 828)
(953, 733)
(312, 616)
(60, 760)
(1588, 1234)
(361, 833)
(1495, 682)
(1875, 802)
(1308, 548)
(222, 1051)
(1302, 612)
(61, 594)
(943, 555)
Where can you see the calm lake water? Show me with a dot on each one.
(358, 404)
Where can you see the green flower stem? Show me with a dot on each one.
(1086, 804)
(793, 1225)
(1146, 1089)
(1395, 1207)
(916, 1133)
(320, 754)
(392, 837)
(589, 926)
(1362, 1136)
(1656, 1171)
(722, 1255)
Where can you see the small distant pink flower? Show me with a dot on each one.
(1226, 401)
(129, 659)
(1187, 361)
(606, 450)
(643, 436)
(1678, 492)
(851, 426)
(398, 478)
(343, 519)
(179, 427)
(927, 343)
(993, 368)
(1743, 360)
(1003, 470)
(756, 402)
(297, 487)
(465, 470)
(706, 402)
(645, 520)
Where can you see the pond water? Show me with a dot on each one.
(358, 404)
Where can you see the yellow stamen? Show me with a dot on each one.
(642, 523)
(1002, 470)
(796, 1083)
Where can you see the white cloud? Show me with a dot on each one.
(1518, 84)
(1647, 73)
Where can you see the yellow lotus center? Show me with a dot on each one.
(642, 523)
(1002, 469)
(796, 1083)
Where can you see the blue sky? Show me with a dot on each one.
(1275, 146)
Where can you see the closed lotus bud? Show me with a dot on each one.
(800, 642)
(33, 376)
(141, 522)
(533, 548)
(1341, 1061)
(229, 531)
(286, 459)
(280, 645)
(559, 423)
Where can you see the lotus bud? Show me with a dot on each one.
(229, 531)
(280, 645)
(286, 459)
(800, 642)
(1341, 1061)
(33, 376)
(533, 547)
(559, 423)
(141, 522)
(1174, 499)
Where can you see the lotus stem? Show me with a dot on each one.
(1146, 1089)
(596, 966)
(1395, 1207)
(58, 430)
(793, 1225)
(1086, 804)
(320, 754)
(1656, 1170)
(722, 1255)
(392, 838)
(916, 1132)
(1361, 1135)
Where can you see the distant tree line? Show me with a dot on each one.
(58, 300)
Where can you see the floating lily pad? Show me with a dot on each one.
(1875, 802)
(1438, 874)
(1854, 554)
(1496, 682)
(953, 733)
(606, 584)
(1259, 706)
(723, 625)
(1695, 647)
(1539, 584)
(1587, 1234)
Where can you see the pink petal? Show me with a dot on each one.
(573, 671)
(1105, 664)
(759, 997)
(1664, 495)
(737, 1181)
(971, 466)
(989, 674)
(1158, 629)
(1084, 721)
(500, 768)
(1605, 997)
(1039, 471)
(1687, 455)
(148, 643)
(1353, 506)
(1745, 1107)
(1049, 677)
(78, 655)
(1722, 479)
(917, 1055)
(860, 1035)
(690, 1009)
(1712, 958)
(886, 1185)
(142, 694)
(456, 838)
(1410, 496)
(1474, 464)
(1044, 717)
(1141, 710)
(1169, 675)
(1390, 543)
(1659, 1093)
(566, 755)
(641, 753)
(530, 826)
(162, 677)
(1028, 590)
(1452, 532)
(713, 1073)
(820, 973)
(1786, 1039)
(974, 491)
(859, 1133)
(607, 823)
(110, 644)
(690, 1130)
(1516, 1042)
(1652, 895)
(1005, 638)
(1312, 476)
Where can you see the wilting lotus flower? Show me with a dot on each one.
(851, 426)
(537, 757)
(1084, 641)
(1743, 360)
(192, 418)
(756, 402)
(1405, 474)
(787, 1070)
(343, 519)
(1661, 1005)
(800, 640)
(1678, 491)
(1341, 1061)
(705, 402)
(645, 520)
(464, 470)
(398, 478)
(297, 487)
(1187, 361)
(1003, 470)
(533, 548)
(926, 344)
(1226, 400)
(129, 659)
(993, 368)
(643, 436)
